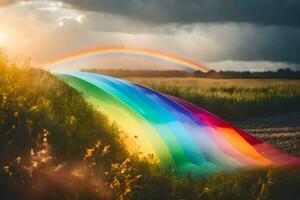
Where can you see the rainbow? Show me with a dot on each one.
(176, 132)
(130, 51)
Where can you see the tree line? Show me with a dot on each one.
(282, 73)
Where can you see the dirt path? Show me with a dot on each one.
(282, 131)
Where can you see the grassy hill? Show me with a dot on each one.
(54, 145)
(47, 127)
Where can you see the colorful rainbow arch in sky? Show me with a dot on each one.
(175, 131)
(169, 59)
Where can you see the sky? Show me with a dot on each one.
(256, 35)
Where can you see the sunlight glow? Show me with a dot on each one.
(2, 39)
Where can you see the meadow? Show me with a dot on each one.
(55, 145)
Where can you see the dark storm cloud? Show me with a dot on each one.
(247, 42)
(252, 43)
(266, 12)
(271, 43)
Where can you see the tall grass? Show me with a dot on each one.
(235, 99)
(45, 124)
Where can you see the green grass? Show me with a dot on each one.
(234, 99)
(54, 145)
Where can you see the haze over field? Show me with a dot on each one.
(249, 35)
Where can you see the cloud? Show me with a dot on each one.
(255, 43)
(6, 2)
(60, 29)
(201, 41)
(264, 12)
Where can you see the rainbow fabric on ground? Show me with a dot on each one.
(175, 131)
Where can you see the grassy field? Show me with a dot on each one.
(54, 145)
(235, 99)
